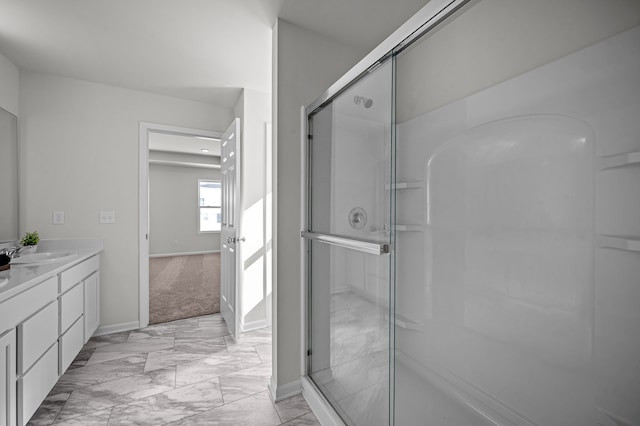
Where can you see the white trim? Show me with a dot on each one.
(237, 221)
(253, 325)
(190, 253)
(143, 225)
(323, 411)
(184, 164)
(284, 391)
(274, 214)
(268, 228)
(304, 320)
(143, 207)
(117, 328)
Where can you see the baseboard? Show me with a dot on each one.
(284, 391)
(323, 411)
(253, 325)
(117, 328)
(190, 253)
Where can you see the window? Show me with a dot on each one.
(209, 205)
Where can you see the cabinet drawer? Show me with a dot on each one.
(34, 386)
(71, 343)
(75, 274)
(71, 307)
(35, 335)
(16, 309)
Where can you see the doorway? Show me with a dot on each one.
(179, 210)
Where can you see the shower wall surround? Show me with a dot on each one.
(514, 274)
(511, 211)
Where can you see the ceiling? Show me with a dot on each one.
(204, 50)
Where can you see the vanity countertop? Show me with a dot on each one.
(21, 277)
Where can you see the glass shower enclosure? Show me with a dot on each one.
(349, 238)
(472, 221)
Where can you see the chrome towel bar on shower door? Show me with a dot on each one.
(364, 246)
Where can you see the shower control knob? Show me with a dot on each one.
(357, 218)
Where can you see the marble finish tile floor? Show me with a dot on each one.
(186, 372)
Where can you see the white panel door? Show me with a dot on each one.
(230, 235)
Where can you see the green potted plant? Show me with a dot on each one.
(30, 242)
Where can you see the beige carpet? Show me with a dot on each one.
(183, 287)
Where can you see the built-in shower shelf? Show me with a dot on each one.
(620, 160)
(400, 228)
(404, 185)
(409, 228)
(621, 243)
(405, 323)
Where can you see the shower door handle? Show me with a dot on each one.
(370, 247)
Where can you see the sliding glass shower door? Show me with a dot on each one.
(348, 242)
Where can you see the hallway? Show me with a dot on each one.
(187, 372)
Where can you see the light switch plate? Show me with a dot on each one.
(58, 218)
(107, 217)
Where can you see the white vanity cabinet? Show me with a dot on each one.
(42, 329)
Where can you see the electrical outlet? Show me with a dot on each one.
(58, 218)
(107, 217)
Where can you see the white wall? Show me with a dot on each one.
(9, 83)
(467, 55)
(79, 154)
(305, 65)
(174, 211)
(254, 110)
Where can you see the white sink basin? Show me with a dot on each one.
(3, 281)
(44, 257)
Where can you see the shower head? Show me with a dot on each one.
(366, 102)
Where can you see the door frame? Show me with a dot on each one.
(143, 206)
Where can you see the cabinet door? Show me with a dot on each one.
(8, 378)
(91, 305)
